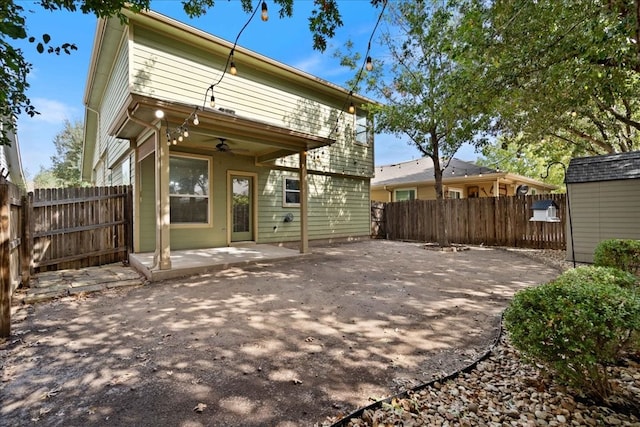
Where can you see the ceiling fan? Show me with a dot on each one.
(223, 147)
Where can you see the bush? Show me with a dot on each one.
(575, 326)
(619, 253)
(597, 274)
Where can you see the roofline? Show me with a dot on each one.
(489, 177)
(151, 17)
(95, 54)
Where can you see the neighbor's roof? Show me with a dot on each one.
(604, 168)
(421, 170)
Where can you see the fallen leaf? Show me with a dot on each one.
(297, 381)
(200, 407)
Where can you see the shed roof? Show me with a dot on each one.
(604, 168)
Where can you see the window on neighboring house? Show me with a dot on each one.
(404, 194)
(454, 193)
(362, 127)
(189, 190)
(291, 192)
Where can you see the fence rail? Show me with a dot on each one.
(502, 221)
(79, 227)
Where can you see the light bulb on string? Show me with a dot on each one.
(185, 133)
(196, 121)
(212, 101)
(232, 69)
(174, 142)
(352, 108)
(265, 13)
(369, 64)
(180, 138)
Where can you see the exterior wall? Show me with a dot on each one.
(380, 196)
(338, 207)
(166, 69)
(108, 148)
(602, 210)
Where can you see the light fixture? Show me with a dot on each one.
(180, 138)
(369, 64)
(196, 122)
(232, 68)
(186, 132)
(352, 108)
(174, 142)
(265, 13)
(212, 101)
(159, 114)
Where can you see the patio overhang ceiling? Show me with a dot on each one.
(266, 142)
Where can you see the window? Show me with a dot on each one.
(189, 190)
(455, 193)
(362, 128)
(291, 196)
(126, 171)
(404, 194)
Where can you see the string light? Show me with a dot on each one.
(369, 64)
(265, 13)
(232, 69)
(196, 122)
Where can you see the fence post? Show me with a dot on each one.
(5, 262)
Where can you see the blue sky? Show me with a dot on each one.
(58, 82)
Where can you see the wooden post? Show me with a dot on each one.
(304, 204)
(26, 239)
(5, 261)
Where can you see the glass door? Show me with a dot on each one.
(241, 208)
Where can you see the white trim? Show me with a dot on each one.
(414, 189)
(284, 191)
(209, 196)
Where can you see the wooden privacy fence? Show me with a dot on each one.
(502, 221)
(11, 227)
(78, 227)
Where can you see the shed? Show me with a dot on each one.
(604, 194)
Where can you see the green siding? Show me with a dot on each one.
(167, 69)
(147, 205)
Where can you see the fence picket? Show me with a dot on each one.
(492, 221)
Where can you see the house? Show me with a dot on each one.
(10, 160)
(222, 146)
(604, 197)
(415, 179)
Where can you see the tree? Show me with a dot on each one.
(426, 92)
(565, 73)
(324, 20)
(66, 162)
(45, 179)
(526, 160)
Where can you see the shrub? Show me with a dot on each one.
(620, 253)
(575, 326)
(598, 274)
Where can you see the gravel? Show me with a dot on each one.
(502, 391)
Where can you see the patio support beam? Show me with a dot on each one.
(162, 256)
(163, 243)
(304, 203)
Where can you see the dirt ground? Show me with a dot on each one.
(296, 343)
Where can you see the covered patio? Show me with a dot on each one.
(196, 261)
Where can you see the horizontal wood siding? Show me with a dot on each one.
(338, 207)
(110, 148)
(603, 210)
(164, 69)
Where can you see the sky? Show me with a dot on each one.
(57, 83)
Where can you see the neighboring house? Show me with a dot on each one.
(10, 161)
(276, 159)
(415, 179)
(604, 196)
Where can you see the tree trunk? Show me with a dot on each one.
(443, 233)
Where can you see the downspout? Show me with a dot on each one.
(157, 255)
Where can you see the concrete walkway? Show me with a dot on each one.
(56, 284)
